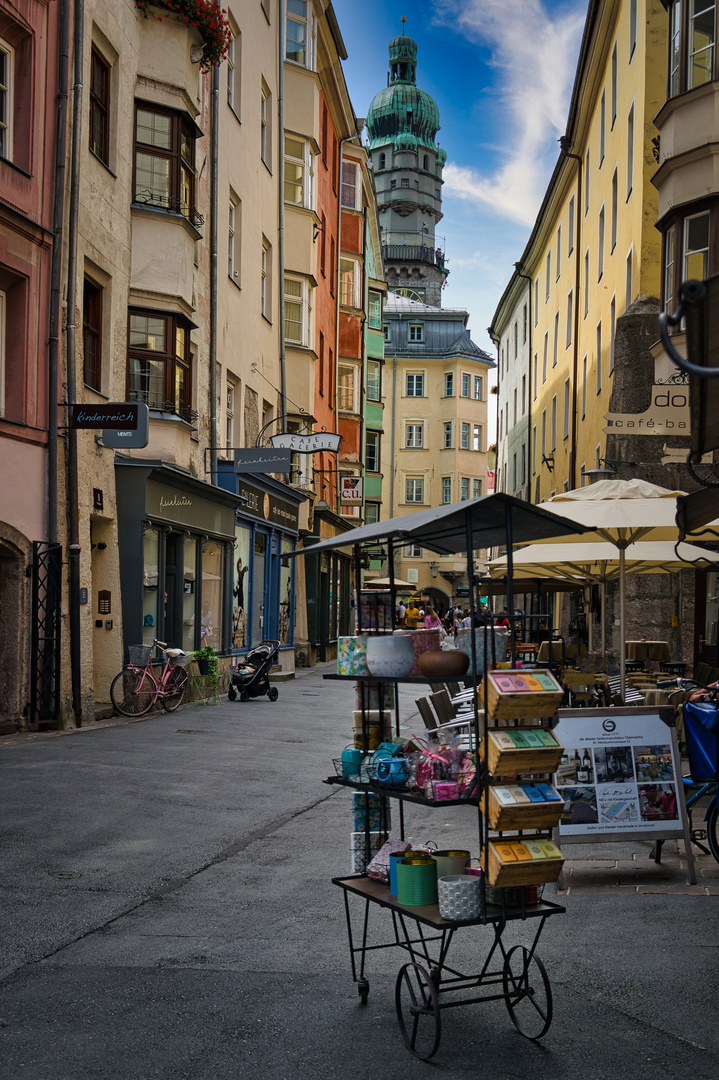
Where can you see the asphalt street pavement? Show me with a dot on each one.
(168, 914)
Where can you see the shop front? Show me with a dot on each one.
(176, 537)
(263, 585)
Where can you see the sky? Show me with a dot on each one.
(501, 72)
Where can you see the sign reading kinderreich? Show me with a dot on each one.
(113, 414)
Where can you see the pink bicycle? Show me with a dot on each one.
(138, 686)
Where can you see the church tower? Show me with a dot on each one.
(402, 124)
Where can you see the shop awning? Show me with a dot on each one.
(443, 529)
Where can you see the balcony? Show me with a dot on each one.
(413, 247)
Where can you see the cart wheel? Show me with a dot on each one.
(232, 694)
(713, 827)
(363, 991)
(244, 696)
(417, 1004)
(530, 1006)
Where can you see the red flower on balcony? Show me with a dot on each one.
(206, 16)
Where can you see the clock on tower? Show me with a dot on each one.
(411, 294)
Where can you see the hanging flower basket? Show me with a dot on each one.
(205, 16)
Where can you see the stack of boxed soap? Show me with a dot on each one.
(520, 695)
(515, 751)
(524, 806)
(529, 861)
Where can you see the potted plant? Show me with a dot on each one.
(206, 16)
(207, 662)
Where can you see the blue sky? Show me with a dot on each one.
(501, 72)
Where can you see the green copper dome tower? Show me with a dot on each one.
(402, 125)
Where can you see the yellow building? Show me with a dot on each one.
(594, 251)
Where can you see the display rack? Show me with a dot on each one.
(428, 983)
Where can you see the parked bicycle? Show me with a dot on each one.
(139, 686)
(701, 733)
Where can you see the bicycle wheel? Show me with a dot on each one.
(132, 692)
(175, 686)
(713, 826)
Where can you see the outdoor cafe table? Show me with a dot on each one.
(647, 650)
(560, 650)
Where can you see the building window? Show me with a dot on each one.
(298, 172)
(465, 385)
(477, 437)
(586, 283)
(600, 246)
(545, 357)
(476, 489)
(371, 513)
(412, 551)
(415, 384)
(448, 428)
(514, 472)
(296, 311)
(615, 209)
(478, 388)
(536, 301)
(404, 182)
(164, 160)
(544, 433)
(351, 188)
(523, 472)
(602, 127)
(393, 184)
(374, 310)
(567, 407)
(266, 285)
(599, 357)
(464, 488)
(7, 102)
(374, 380)
(536, 374)
(555, 353)
(372, 452)
(449, 384)
(333, 264)
(615, 71)
(633, 28)
(298, 33)
(159, 369)
(628, 297)
(414, 490)
(229, 416)
(265, 126)
(548, 275)
(696, 247)
(416, 332)
(554, 422)
(534, 450)
(584, 386)
(233, 72)
(524, 325)
(612, 331)
(570, 318)
(516, 339)
(347, 388)
(99, 106)
(382, 163)
(387, 331)
(92, 334)
(414, 436)
(630, 151)
(586, 182)
(446, 489)
(465, 437)
(350, 280)
(524, 394)
(515, 405)
(559, 253)
(233, 225)
(675, 22)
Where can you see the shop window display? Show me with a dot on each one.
(286, 623)
(258, 588)
(151, 546)
(240, 588)
(211, 610)
(189, 593)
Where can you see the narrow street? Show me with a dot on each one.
(168, 913)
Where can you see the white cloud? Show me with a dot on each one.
(534, 54)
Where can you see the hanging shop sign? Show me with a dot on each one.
(262, 461)
(351, 489)
(307, 444)
(618, 775)
(124, 424)
(267, 507)
(668, 414)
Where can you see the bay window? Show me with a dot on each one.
(351, 194)
(692, 33)
(165, 160)
(374, 310)
(347, 387)
(297, 311)
(159, 362)
(374, 380)
(687, 251)
(350, 282)
(298, 172)
(372, 451)
(299, 34)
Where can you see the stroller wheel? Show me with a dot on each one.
(244, 696)
(232, 694)
(273, 693)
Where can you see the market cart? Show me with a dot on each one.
(514, 840)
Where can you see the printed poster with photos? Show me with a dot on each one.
(617, 774)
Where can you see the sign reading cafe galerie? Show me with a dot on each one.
(668, 414)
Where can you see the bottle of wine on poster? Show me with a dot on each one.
(582, 774)
(587, 768)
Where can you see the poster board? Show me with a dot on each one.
(620, 777)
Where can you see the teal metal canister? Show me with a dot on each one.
(416, 882)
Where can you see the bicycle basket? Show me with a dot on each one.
(139, 654)
(701, 730)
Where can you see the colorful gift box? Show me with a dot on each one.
(352, 655)
(364, 804)
(359, 856)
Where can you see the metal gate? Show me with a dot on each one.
(45, 654)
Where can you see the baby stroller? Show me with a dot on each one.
(251, 677)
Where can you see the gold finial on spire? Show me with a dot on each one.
(403, 20)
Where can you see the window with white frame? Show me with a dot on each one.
(628, 287)
(524, 394)
(374, 310)
(534, 450)
(233, 239)
(478, 394)
(446, 489)
(586, 283)
(548, 276)
(412, 551)
(554, 422)
(612, 331)
(387, 331)
(374, 380)
(414, 489)
(696, 246)
(371, 513)
(297, 311)
(630, 151)
(347, 387)
(351, 185)
(615, 73)
(523, 471)
(615, 210)
(559, 253)
(234, 82)
(567, 408)
(372, 451)
(414, 436)
(465, 385)
(464, 435)
(464, 488)
(7, 104)
(570, 228)
(536, 301)
(265, 126)
(448, 432)
(600, 246)
(602, 127)
(298, 172)
(415, 384)
(545, 357)
(477, 437)
(416, 332)
(570, 318)
(266, 281)
(584, 386)
(555, 353)
(350, 282)
(229, 415)
(536, 374)
(449, 384)
(476, 489)
(544, 433)
(599, 357)
(299, 33)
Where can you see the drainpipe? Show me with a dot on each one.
(73, 508)
(343, 140)
(281, 210)
(58, 220)
(394, 414)
(564, 144)
(529, 389)
(214, 204)
(363, 396)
